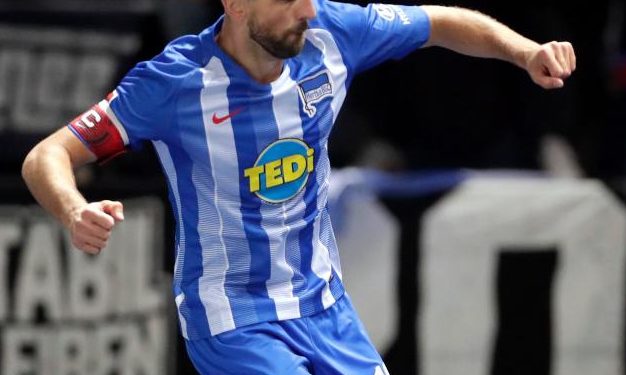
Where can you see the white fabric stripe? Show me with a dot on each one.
(335, 65)
(334, 255)
(105, 106)
(183, 323)
(170, 171)
(321, 262)
(279, 286)
(334, 62)
(168, 165)
(226, 181)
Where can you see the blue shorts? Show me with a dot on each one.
(331, 342)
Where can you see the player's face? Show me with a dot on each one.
(278, 25)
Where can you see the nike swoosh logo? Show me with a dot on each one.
(219, 119)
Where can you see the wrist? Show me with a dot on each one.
(523, 56)
(71, 212)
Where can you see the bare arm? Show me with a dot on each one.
(49, 173)
(475, 34)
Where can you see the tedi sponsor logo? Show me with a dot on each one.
(281, 170)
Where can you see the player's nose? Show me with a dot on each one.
(307, 9)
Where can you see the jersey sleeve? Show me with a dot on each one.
(142, 107)
(145, 100)
(370, 35)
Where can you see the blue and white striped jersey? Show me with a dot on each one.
(247, 163)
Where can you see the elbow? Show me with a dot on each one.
(29, 165)
(59, 153)
(36, 161)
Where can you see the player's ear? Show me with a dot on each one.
(235, 9)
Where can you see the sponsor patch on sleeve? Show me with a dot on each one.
(389, 13)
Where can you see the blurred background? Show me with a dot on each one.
(437, 156)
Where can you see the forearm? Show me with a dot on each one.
(475, 34)
(49, 175)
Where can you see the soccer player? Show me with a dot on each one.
(240, 117)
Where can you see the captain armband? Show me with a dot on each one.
(99, 130)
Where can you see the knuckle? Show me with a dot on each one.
(97, 239)
(81, 226)
(87, 213)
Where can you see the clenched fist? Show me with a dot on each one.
(90, 225)
(551, 63)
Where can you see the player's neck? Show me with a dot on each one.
(255, 60)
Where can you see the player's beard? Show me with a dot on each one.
(283, 47)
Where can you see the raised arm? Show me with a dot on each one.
(475, 34)
(49, 173)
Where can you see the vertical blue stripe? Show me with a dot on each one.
(197, 324)
(294, 259)
(179, 253)
(175, 204)
(254, 129)
(169, 169)
(315, 134)
(336, 286)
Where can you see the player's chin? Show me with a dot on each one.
(292, 47)
(298, 43)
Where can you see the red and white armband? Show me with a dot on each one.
(100, 130)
